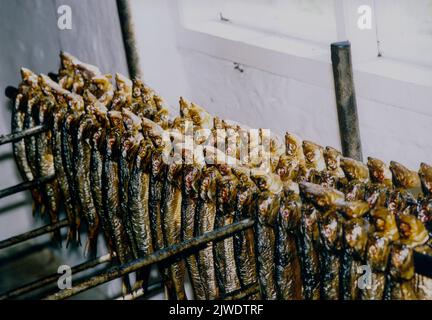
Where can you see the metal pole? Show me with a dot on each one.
(346, 100)
(127, 28)
(33, 234)
(174, 250)
(22, 134)
(25, 186)
(40, 283)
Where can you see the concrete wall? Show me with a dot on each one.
(395, 121)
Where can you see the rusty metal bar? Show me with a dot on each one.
(243, 293)
(50, 279)
(33, 234)
(128, 33)
(346, 100)
(169, 252)
(25, 186)
(7, 138)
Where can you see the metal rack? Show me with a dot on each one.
(112, 272)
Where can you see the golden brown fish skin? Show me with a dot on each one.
(123, 94)
(244, 243)
(138, 200)
(225, 262)
(333, 176)
(268, 204)
(34, 98)
(355, 241)
(425, 174)
(75, 75)
(288, 268)
(315, 163)
(322, 197)
(110, 183)
(191, 178)
(402, 272)
(377, 192)
(205, 219)
(308, 245)
(67, 133)
(331, 243)
(171, 223)
(129, 144)
(19, 111)
(383, 234)
(294, 149)
(403, 200)
(45, 161)
(414, 234)
(157, 178)
(82, 160)
(357, 174)
(59, 114)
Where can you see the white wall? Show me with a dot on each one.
(391, 131)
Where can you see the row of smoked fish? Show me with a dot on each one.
(327, 227)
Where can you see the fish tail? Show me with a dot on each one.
(142, 279)
(71, 236)
(90, 248)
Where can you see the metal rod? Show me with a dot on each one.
(50, 279)
(22, 134)
(128, 33)
(173, 250)
(33, 234)
(346, 100)
(25, 186)
(243, 293)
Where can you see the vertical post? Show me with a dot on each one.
(129, 39)
(346, 100)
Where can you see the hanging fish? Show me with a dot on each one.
(244, 246)
(268, 204)
(225, 262)
(384, 233)
(205, 219)
(288, 268)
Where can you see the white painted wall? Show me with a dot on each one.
(395, 117)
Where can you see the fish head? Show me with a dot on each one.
(355, 170)
(293, 145)
(161, 117)
(412, 231)
(116, 120)
(137, 88)
(378, 252)
(379, 171)
(401, 262)
(403, 177)
(191, 177)
(425, 174)
(331, 229)
(123, 84)
(384, 223)
(354, 209)
(132, 122)
(332, 158)
(356, 235)
(227, 189)
(287, 167)
(209, 181)
(184, 108)
(314, 155)
(151, 129)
